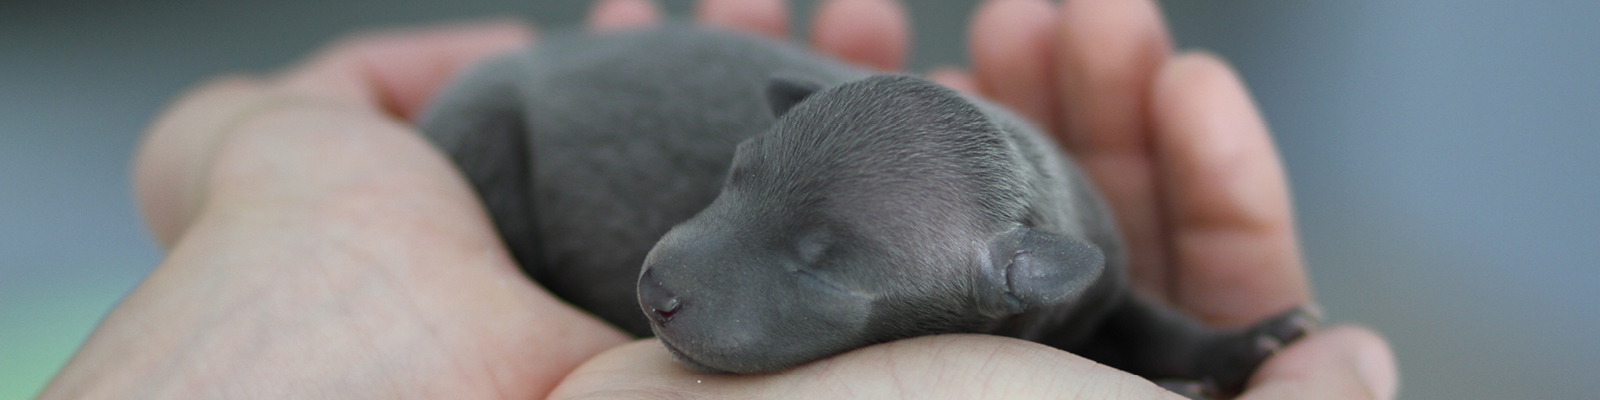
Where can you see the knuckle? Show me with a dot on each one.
(206, 105)
(228, 88)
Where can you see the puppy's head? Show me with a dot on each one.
(874, 210)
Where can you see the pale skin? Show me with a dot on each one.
(318, 247)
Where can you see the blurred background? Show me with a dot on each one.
(1445, 158)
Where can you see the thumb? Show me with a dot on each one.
(1341, 363)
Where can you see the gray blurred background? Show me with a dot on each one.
(1444, 157)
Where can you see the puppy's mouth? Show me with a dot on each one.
(684, 358)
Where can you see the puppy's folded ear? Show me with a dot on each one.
(784, 91)
(1030, 269)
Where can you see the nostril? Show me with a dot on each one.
(667, 309)
(659, 302)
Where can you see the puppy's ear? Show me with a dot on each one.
(1028, 269)
(784, 91)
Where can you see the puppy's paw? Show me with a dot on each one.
(1234, 356)
(1280, 330)
(1188, 389)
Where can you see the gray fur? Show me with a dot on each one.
(785, 207)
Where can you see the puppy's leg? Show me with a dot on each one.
(1153, 341)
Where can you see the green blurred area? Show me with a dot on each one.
(43, 327)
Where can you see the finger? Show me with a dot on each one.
(1107, 55)
(929, 367)
(169, 165)
(623, 14)
(954, 78)
(399, 71)
(1012, 44)
(867, 32)
(1339, 363)
(1233, 240)
(393, 72)
(770, 17)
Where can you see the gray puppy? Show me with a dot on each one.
(767, 207)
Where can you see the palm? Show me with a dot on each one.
(322, 249)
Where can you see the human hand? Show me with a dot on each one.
(319, 247)
(1176, 146)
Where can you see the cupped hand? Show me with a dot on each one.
(318, 247)
(1173, 141)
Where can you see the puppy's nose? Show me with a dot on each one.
(656, 300)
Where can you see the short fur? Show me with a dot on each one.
(773, 207)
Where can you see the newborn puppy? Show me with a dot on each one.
(768, 207)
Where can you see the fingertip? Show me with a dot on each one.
(1340, 362)
(1107, 55)
(1375, 362)
(1186, 66)
(1012, 45)
(868, 32)
(954, 78)
(623, 14)
(1195, 73)
(408, 67)
(769, 17)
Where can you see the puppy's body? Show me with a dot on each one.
(592, 147)
(859, 208)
